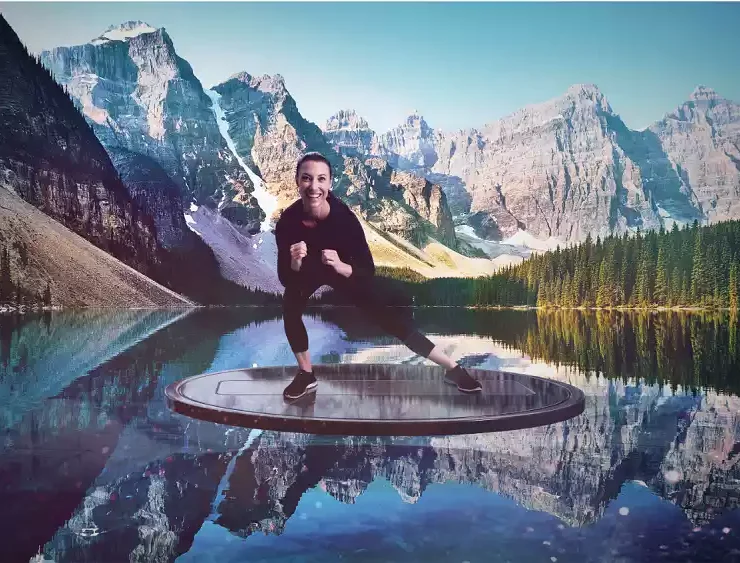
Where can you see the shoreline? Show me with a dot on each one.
(23, 309)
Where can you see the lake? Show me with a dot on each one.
(94, 467)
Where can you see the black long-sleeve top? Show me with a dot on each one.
(340, 231)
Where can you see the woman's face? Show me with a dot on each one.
(314, 184)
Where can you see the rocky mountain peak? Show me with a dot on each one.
(346, 119)
(416, 120)
(124, 31)
(702, 93)
(266, 83)
(588, 94)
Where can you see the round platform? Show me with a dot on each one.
(375, 400)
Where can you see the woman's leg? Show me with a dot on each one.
(295, 300)
(375, 302)
(398, 321)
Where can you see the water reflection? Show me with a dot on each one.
(94, 467)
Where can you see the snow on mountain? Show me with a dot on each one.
(266, 200)
(248, 261)
(525, 239)
(123, 31)
(140, 95)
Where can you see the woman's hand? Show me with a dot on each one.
(331, 258)
(298, 252)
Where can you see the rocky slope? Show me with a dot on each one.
(187, 263)
(152, 189)
(398, 202)
(51, 158)
(78, 273)
(137, 93)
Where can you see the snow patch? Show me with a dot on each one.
(124, 31)
(265, 199)
(81, 86)
(250, 261)
(558, 117)
(502, 254)
(527, 240)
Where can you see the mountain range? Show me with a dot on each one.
(213, 168)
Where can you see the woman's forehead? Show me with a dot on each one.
(311, 168)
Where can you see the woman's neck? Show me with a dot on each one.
(321, 213)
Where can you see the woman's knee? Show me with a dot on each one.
(293, 300)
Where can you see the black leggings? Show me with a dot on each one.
(363, 293)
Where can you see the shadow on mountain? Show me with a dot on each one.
(665, 186)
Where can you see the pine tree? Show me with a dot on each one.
(698, 272)
(662, 293)
(643, 293)
(676, 287)
(567, 298)
(733, 287)
(602, 299)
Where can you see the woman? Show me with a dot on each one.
(321, 242)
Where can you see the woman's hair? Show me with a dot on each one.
(316, 157)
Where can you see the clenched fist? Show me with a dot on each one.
(298, 251)
(330, 258)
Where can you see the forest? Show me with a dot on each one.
(693, 266)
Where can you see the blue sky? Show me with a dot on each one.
(459, 64)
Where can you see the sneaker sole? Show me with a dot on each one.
(476, 390)
(309, 388)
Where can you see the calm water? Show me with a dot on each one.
(94, 467)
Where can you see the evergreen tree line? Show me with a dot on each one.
(696, 351)
(691, 266)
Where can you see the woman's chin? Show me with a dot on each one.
(314, 203)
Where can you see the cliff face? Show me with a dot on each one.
(399, 202)
(51, 158)
(555, 169)
(701, 141)
(269, 132)
(138, 94)
(349, 133)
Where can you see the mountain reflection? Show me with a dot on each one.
(94, 467)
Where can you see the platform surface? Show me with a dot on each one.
(375, 399)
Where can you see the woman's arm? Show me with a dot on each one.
(361, 259)
(286, 274)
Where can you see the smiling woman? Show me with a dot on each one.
(321, 242)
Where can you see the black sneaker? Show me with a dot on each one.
(460, 377)
(302, 383)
